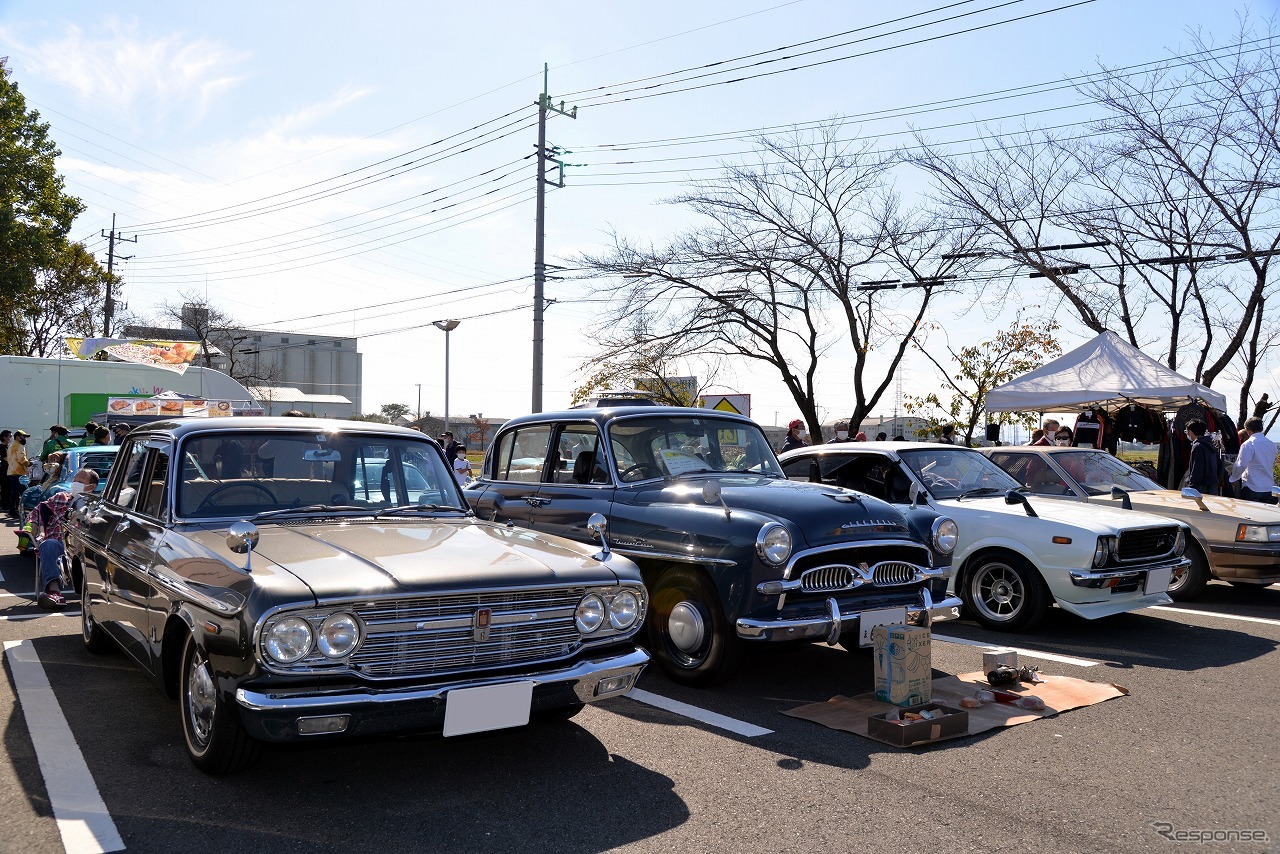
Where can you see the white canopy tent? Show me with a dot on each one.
(1106, 371)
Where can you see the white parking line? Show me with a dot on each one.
(1215, 614)
(82, 817)
(702, 715)
(1029, 653)
(17, 617)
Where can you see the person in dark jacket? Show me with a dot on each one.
(1204, 468)
(795, 437)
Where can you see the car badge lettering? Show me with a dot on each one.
(480, 623)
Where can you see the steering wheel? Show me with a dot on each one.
(931, 479)
(218, 490)
(637, 469)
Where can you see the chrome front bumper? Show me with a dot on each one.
(1116, 577)
(830, 627)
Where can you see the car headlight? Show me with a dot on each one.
(1102, 552)
(946, 533)
(773, 543)
(624, 610)
(339, 635)
(590, 614)
(1258, 533)
(288, 640)
(1180, 542)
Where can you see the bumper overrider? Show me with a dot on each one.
(280, 716)
(836, 622)
(1111, 576)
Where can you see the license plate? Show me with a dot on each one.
(490, 707)
(881, 617)
(1158, 581)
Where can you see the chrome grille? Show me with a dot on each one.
(826, 578)
(1145, 543)
(890, 573)
(430, 635)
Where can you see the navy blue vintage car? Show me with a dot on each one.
(731, 551)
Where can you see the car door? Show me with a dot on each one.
(131, 547)
(509, 490)
(576, 483)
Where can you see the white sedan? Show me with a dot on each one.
(1017, 554)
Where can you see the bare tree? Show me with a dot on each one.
(780, 274)
(222, 341)
(637, 360)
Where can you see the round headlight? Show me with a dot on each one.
(946, 533)
(590, 614)
(288, 640)
(338, 636)
(773, 543)
(624, 610)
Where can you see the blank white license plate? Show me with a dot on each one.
(1158, 581)
(881, 617)
(490, 707)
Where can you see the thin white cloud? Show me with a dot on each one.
(121, 66)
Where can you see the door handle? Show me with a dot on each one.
(122, 526)
(535, 501)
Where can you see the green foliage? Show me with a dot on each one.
(393, 412)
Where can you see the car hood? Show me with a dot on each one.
(1170, 501)
(818, 514)
(1090, 517)
(344, 559)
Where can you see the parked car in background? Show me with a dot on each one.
(731, 551)
(99, 458)
(290, 579)
(1015, 558)
(1234, 540)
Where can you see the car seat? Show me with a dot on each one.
(585, 469)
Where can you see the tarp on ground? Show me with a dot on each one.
(1106, 371)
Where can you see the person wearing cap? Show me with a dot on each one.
(19, 465)
(58, 441)
(450, 445)
(795, 437)
(118, 432)
(842, 433)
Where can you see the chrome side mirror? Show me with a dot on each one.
(598, 525)
(1194, 495)
(1125, 502)
(713, 493)
(242, 538)
(913, 492)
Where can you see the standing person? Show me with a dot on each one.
(461, 465)
(118, 432)
(795, 437)
(450, 446)
(1050, 428)
(58, 441)
(101, 436)
(882, 437)
(90, 434)
(842, 432)
(51, 515)
(6, 436)
(19, 465)
(1254, 470)
(948, 436)
(1204, 469)
(1063, 438)
(1037, 437)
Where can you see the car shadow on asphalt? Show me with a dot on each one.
(552, 787)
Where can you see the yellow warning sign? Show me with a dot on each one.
(737, 403)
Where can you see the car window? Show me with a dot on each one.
(804, 469)
(1098, 472)
(952, 472)
(577, 458)
(522, 453)
(100, 462)
(126, 491)
(156, 491)
(665, 446)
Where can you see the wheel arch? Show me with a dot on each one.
(177, 628)
(989, 549)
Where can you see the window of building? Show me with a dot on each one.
(284, 340)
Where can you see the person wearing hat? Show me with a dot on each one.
(19, 465)
(58, 441)
(795, 437)
(842, 432)
(450, 445)
(118, 432)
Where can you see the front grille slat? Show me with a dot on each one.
(858, 567)
(1146, 543)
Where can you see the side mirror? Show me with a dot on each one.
(1013, 496)
(913, 492)
(598, 525)
(1194, 495)
(242, 538)
(713, 493)
(1125, 502)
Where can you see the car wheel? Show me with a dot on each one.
(1187, 584)
(688, 632)
(95, 639)
(1006, 593)
(216, 741)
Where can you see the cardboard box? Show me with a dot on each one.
(953, 722)
(998, 656)
(903, 664)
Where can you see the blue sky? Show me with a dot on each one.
(197, 123)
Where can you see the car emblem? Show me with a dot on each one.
(480, 625)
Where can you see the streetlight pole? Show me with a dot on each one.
(418, 416)
(446, 326)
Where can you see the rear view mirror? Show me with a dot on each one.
(321, 455)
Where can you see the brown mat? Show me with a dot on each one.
(1060, 694)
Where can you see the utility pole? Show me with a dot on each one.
(539, 265)
(109, 307)
(419, 418)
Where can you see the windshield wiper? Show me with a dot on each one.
(417, 508)
(698, 471)
(981, 490)
(310, 508)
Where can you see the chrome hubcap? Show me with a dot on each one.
(686, 627)
(200, 700)
(998, 592)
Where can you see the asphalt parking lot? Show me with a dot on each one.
(1185, 763)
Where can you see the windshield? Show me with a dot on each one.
(1098, 471)
(666, 446)
(952, 472)
(246, 473)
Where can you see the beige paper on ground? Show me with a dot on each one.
(1060, 694)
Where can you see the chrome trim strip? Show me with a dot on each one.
(714, 561)
(585, 675)
(1094, 578)
(819, 628)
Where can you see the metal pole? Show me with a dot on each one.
(446, 380)
(539, 268)
(419, 385)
